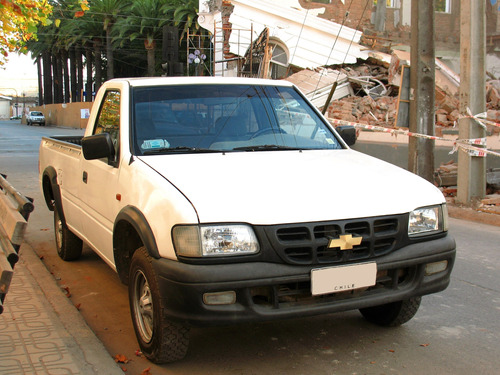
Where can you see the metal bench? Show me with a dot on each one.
(15, 209)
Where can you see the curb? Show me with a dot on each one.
(470, 214)
(89, 353)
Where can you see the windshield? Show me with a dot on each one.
(36, 114)
(223, 117)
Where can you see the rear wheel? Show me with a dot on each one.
(69, 246)
(161, 339)
(392, 314)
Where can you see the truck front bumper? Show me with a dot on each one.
(266, 291)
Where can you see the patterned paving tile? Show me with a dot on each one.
(29, 342)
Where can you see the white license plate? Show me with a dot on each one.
(343, 278)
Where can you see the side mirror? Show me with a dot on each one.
(98, 146)
(348, 134)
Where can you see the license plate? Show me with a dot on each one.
(343, 278)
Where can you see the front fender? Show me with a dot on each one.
(137, 220)
(131, 230)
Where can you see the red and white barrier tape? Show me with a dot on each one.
(482, 119)
(465, 144)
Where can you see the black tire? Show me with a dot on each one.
(161, 340)
(69, 246)
(392, 314)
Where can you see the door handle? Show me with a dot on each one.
(85, 176)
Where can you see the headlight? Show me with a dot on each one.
(427, 220)
(214, 240)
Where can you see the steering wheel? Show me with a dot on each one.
(267, 130)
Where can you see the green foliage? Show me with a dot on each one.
(127, 34)
(185, 13)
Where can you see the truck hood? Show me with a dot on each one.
(291, 186)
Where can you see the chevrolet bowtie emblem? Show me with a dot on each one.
(345, 242)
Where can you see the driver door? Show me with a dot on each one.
(100, 181)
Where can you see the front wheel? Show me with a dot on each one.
(392, 314)
(160, 339)
(69, 246)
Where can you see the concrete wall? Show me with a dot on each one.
(68, 114)
(4, 109)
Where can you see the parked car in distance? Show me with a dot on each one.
(15, 117)
(35, 117)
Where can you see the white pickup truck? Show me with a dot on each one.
(223, 200)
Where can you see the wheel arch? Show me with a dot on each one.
(131, 231)
(52, 191)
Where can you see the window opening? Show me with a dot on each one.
(279, 61)
(443, 6)
(108, 119)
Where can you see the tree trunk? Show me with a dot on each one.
(47, 78)
(88, 61)
(151, 62)
(57, 79)
(79, 68)
(98, 63)
(73, 76)
(40, 80)
(109, 54)
(64, 62)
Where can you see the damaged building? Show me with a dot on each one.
(360, 47)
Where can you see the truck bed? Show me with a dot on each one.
(76, 140)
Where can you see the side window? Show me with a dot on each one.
(108, 119)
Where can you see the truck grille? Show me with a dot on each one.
(307, 243)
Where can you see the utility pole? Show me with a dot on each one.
(422, 88)
(380, 13)
(472, 169)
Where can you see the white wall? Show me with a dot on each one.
(4, 109)
(311, 41)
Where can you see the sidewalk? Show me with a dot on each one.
(41, 332)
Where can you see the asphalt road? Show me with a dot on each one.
(454, 332)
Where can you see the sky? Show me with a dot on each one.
(18, 73)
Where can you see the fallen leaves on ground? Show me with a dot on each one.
(146, 371)
(66, 289)
(120, 358)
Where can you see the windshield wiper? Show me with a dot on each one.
(178, 149)
(266, 148)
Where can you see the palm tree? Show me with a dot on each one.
(145, 21)
(51, 49)
(106, 13)
(185, 13)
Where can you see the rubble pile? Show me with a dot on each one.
(493, 94)
(366, 110)
(367, 105)
(373, 100)
(446, 178)
(490, 204)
